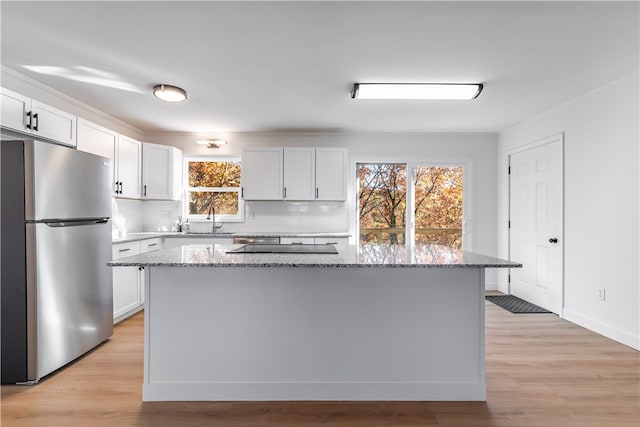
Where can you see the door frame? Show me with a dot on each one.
(555, 138)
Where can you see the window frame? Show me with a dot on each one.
(187, 189)
(446, 161)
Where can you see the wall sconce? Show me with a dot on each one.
(212, 143)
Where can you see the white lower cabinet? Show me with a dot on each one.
(128, 282)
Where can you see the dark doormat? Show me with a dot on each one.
(515, 304)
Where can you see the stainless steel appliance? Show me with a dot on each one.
(257, 240)
(56, 290)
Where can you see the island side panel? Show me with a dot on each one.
(305, 333)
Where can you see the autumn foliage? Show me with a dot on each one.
(216, 182)
(437, 204)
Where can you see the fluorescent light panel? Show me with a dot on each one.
(443, 91)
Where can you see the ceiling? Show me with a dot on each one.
(268, 66)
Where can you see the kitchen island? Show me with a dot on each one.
(370, 323)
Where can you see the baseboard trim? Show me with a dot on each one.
(601, 328)
(314, 391)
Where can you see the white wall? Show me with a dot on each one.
(601, 138)
(478, 151)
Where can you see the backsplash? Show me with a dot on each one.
(131, 216)
(127, 216)
(159, 215)
(292, 217)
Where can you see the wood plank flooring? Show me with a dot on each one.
(541, 371)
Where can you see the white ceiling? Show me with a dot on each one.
(263, 66)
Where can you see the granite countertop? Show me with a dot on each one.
(133, 237)
(355, 256)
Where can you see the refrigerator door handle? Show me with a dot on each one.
(76, 223)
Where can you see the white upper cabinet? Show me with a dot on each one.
(128, 165)
(299, 173)
(161, 172)
(262, 174)
(331, 170)
(95, 139)
(14, 110)
(294, 174)
(125, 152)
(32, 117)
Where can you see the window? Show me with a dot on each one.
(426, 209)
(214, 182)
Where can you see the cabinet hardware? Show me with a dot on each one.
(145, 191)
(553, 240)
(35, 118)
(316, 192)
(152, 244)
(285, 192)
(124, 250)
(120, 187)
(242, 192)
(28, 124)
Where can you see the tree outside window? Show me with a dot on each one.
(214, 183)
(437, 203)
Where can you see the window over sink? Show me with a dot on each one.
(213, 184)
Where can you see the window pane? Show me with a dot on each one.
(225, 203)
(438, 205)
(382, 203)
(214, 174)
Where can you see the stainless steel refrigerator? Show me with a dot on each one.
(56, 289)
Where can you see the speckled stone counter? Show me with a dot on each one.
(365, 324)
(132, 237)
(387, 256)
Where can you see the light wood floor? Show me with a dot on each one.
(541, 371)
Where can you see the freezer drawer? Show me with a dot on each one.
(69, 286)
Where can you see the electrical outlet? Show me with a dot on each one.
(601, 294)
(165, 214)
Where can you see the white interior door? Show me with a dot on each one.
(536, 223)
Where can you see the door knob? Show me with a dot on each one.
(553, 240)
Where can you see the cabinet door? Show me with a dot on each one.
(126, 282)
(262, 174)
(51, 123)
(98, 140)
(128, 167)
(13, 110)
(299, 173)
(161, 172)
(331, 169)
(126, 291)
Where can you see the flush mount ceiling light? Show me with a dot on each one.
(441, 91)
(169, 93)
(212, 143)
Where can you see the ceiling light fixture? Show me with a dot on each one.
(212, 143)
(169, 93)
(441, 91)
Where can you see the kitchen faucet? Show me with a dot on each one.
(212, 216)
